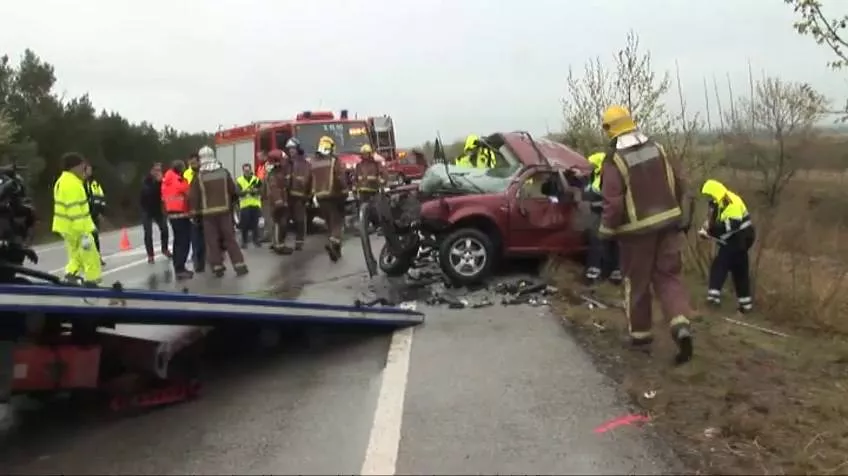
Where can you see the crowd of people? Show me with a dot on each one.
(638, 197)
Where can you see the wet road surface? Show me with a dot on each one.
(475, 391)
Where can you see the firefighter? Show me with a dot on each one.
(476, 154)
(175, 190)
(298, 179)
(96, 204)
(644, 208)
(211, 197)
(328, 186)
(368, 176)
(276, 192)
(250, 205)
(602, 253)
(198, 244)
(73, 222)
(730, 225)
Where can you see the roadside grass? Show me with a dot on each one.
(751, 402)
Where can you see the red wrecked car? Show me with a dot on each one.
(469, 218)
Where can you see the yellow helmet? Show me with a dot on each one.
(714, 189)
(597, 159)
(471, 142)
(326, 145)
(366, 149)
(617, 121)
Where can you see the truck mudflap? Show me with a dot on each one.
(108, 306)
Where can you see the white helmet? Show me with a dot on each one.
(206, 152)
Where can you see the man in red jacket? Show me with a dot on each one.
(175, 190)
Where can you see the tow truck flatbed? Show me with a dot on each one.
(160, 307)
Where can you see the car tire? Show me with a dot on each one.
(478, 242)
(395, 266)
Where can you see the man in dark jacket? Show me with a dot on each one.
(151, 211)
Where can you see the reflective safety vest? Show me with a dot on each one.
(485, 158)
(650, 200)
(71, 214)
(175, 195)
(729, 214)
(249, 187)
(188, 174)
(96, 197)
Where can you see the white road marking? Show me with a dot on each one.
(131, 252)
(384, 441)
(111, 270)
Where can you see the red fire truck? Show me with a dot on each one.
(241, 145)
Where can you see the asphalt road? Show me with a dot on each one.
(497, 390)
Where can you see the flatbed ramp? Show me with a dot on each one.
(172, 308)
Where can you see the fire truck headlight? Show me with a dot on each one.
(350, 166)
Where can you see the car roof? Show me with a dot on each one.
(557, 154)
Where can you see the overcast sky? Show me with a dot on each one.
(457, 66)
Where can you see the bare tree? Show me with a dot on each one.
(825, 30)
(783, 116)
(631, 82)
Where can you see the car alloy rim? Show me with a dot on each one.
(468, 256)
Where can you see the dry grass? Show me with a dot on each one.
(751, 402)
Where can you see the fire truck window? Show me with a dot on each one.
(349, 137)
(265, 141)
(280, 139)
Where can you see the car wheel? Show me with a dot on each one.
(395, 265)
(467, 256)
(401, 179)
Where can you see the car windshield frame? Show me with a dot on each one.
(340, 131)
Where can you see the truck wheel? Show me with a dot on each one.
(395, 265)
(467, 256)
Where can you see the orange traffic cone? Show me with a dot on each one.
(125, 240)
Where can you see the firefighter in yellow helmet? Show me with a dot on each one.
(330, 189)
(730, 225)
(602, 255)
(644, 208)
(73, 222)
(476, 154)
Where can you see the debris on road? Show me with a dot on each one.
(756, 327)
(428, 285)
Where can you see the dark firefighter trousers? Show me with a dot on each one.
(294, 212)
(249, 224)
(732, 258)
(332, 211)
(652, 263)
(219, 229)
(602, 254)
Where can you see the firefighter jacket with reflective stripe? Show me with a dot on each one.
(328, 177)
(642, 189)
(71, 214)
(298, 176)
(276, 186)
(728, 216)
(249, 191)
(96, 197)
(175, 189)
(213, 191)
(480, 157)
(368, 176)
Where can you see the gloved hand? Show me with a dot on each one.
(702, 233)
(85, 242)
(31, 255)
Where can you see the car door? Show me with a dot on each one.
(538, 223)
